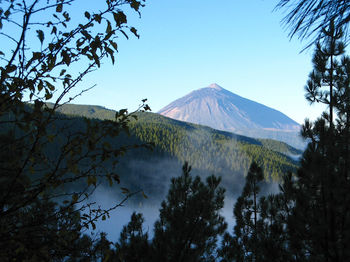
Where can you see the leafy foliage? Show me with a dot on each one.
(42, 233)
(43, 154)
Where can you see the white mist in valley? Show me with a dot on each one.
(121, 215)
(154, 178)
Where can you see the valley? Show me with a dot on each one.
(207, 150)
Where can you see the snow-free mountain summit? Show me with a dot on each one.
(221, 109)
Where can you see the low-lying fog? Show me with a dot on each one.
(121, 216)
(106, 197)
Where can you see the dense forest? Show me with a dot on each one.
(158, 147)
(52, 160)
(207, 149)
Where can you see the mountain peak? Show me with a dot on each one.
(221, 109)
(215, 86)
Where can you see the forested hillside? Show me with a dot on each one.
(208, 151)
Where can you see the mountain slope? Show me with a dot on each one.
(207, 150)
(218, 108)
(172, 136)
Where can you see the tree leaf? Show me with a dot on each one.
(40, 35)
(49, 85)
(48, 96)
(125, 190)
(97, 18)
(59, 8)
(40, 85)
(110, 52)
(135, 5)
(119, 18)
(124, 34)
(54, 30)
(144, 195)
(87, 15)
(109, 27)
(134, 31)
(116, 178)
(11, 68)
(114, 44)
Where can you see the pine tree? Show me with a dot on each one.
(133, 243)
(319, 225)
(325, 69)
(243, 246)
(272, 236)
(190, 220)
(307, 18)
(320, 221)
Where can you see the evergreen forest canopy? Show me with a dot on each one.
(207, 149)
(51, 164)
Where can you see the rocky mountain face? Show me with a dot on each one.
(221, 109)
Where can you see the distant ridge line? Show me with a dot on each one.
(221, 109)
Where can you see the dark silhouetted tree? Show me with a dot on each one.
(47, 161)
(326, 67)
(44, 233)
(320, 221)
(318, 224)
(190, 220)
(247, 212)
(133, 243)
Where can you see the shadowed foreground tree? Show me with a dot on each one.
(244, 245)
(133, 243)
(320, 220)
(319, 223)
(45, 234)
(190, 220)
(309, 220)
(247, 213)
(48, 162)
(326, 69)
(188, 227)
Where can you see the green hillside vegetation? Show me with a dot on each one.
(213, 151)
(99, 112)
(209, 149)
(280, 147)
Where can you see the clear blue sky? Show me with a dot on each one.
(189, 44)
